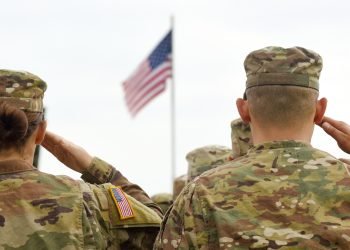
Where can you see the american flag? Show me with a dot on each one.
(122, 203)
(149, 79)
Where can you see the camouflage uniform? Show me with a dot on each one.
(280, 195)
(43, 211)
(163, 200)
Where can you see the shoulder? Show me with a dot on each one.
(46, 183)
(119, 209)
(230, 172)
(180, 221)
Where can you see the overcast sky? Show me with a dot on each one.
(84, 49)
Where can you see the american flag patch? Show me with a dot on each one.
(122, 203)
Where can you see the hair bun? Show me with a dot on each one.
(13, 123)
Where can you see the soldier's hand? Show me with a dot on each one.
(70, 154)
(340, 131)
(346, 161)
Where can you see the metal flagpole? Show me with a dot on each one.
(172, 107)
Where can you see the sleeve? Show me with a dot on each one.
(100, 172)
(183, 226)
(105, 224)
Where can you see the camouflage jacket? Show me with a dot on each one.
(281, 195)
(43, 211)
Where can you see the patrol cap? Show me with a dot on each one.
(241, 137)
(22, 90)
(294, 66)
(205, 158)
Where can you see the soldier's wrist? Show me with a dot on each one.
(98, 171)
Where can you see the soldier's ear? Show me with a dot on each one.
(321, 106)
(40, 135)
(243, 109)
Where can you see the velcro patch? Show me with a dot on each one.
(122, 203)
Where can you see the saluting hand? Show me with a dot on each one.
(70, 154)
(340, 131)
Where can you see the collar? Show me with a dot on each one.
(14, 166)
(278, 145)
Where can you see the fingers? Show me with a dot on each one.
(342, 139)
(57, 146)
(333, 131)
(341, 126)
(52, 142)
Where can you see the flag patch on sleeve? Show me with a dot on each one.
(122, 203)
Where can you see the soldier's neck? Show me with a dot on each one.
(280, 134)
(12, 154)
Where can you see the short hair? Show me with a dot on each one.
(284, 106)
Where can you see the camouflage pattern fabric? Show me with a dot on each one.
(43, 211)
(179, 184)
(204, 158)
(163, 200)
(281, 195)
(276, 65)
(22, 90)
(241, 138)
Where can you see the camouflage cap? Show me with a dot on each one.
(241, 137)
(22, 89)
(205, 158)
(279, 66)
(179, 184)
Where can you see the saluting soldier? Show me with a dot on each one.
(283, 194)
(44, 211)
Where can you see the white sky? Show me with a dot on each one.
(84, 49)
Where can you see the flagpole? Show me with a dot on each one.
(172, 108)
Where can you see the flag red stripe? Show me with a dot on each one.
(158, 76)
(149, 89)
(146, 80)
(147, 100)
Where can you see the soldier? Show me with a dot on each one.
(205, 158)
(208, 157)
(43, 211)
(163, 200)
(179, 184)
(241, 137)
(283, 194)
